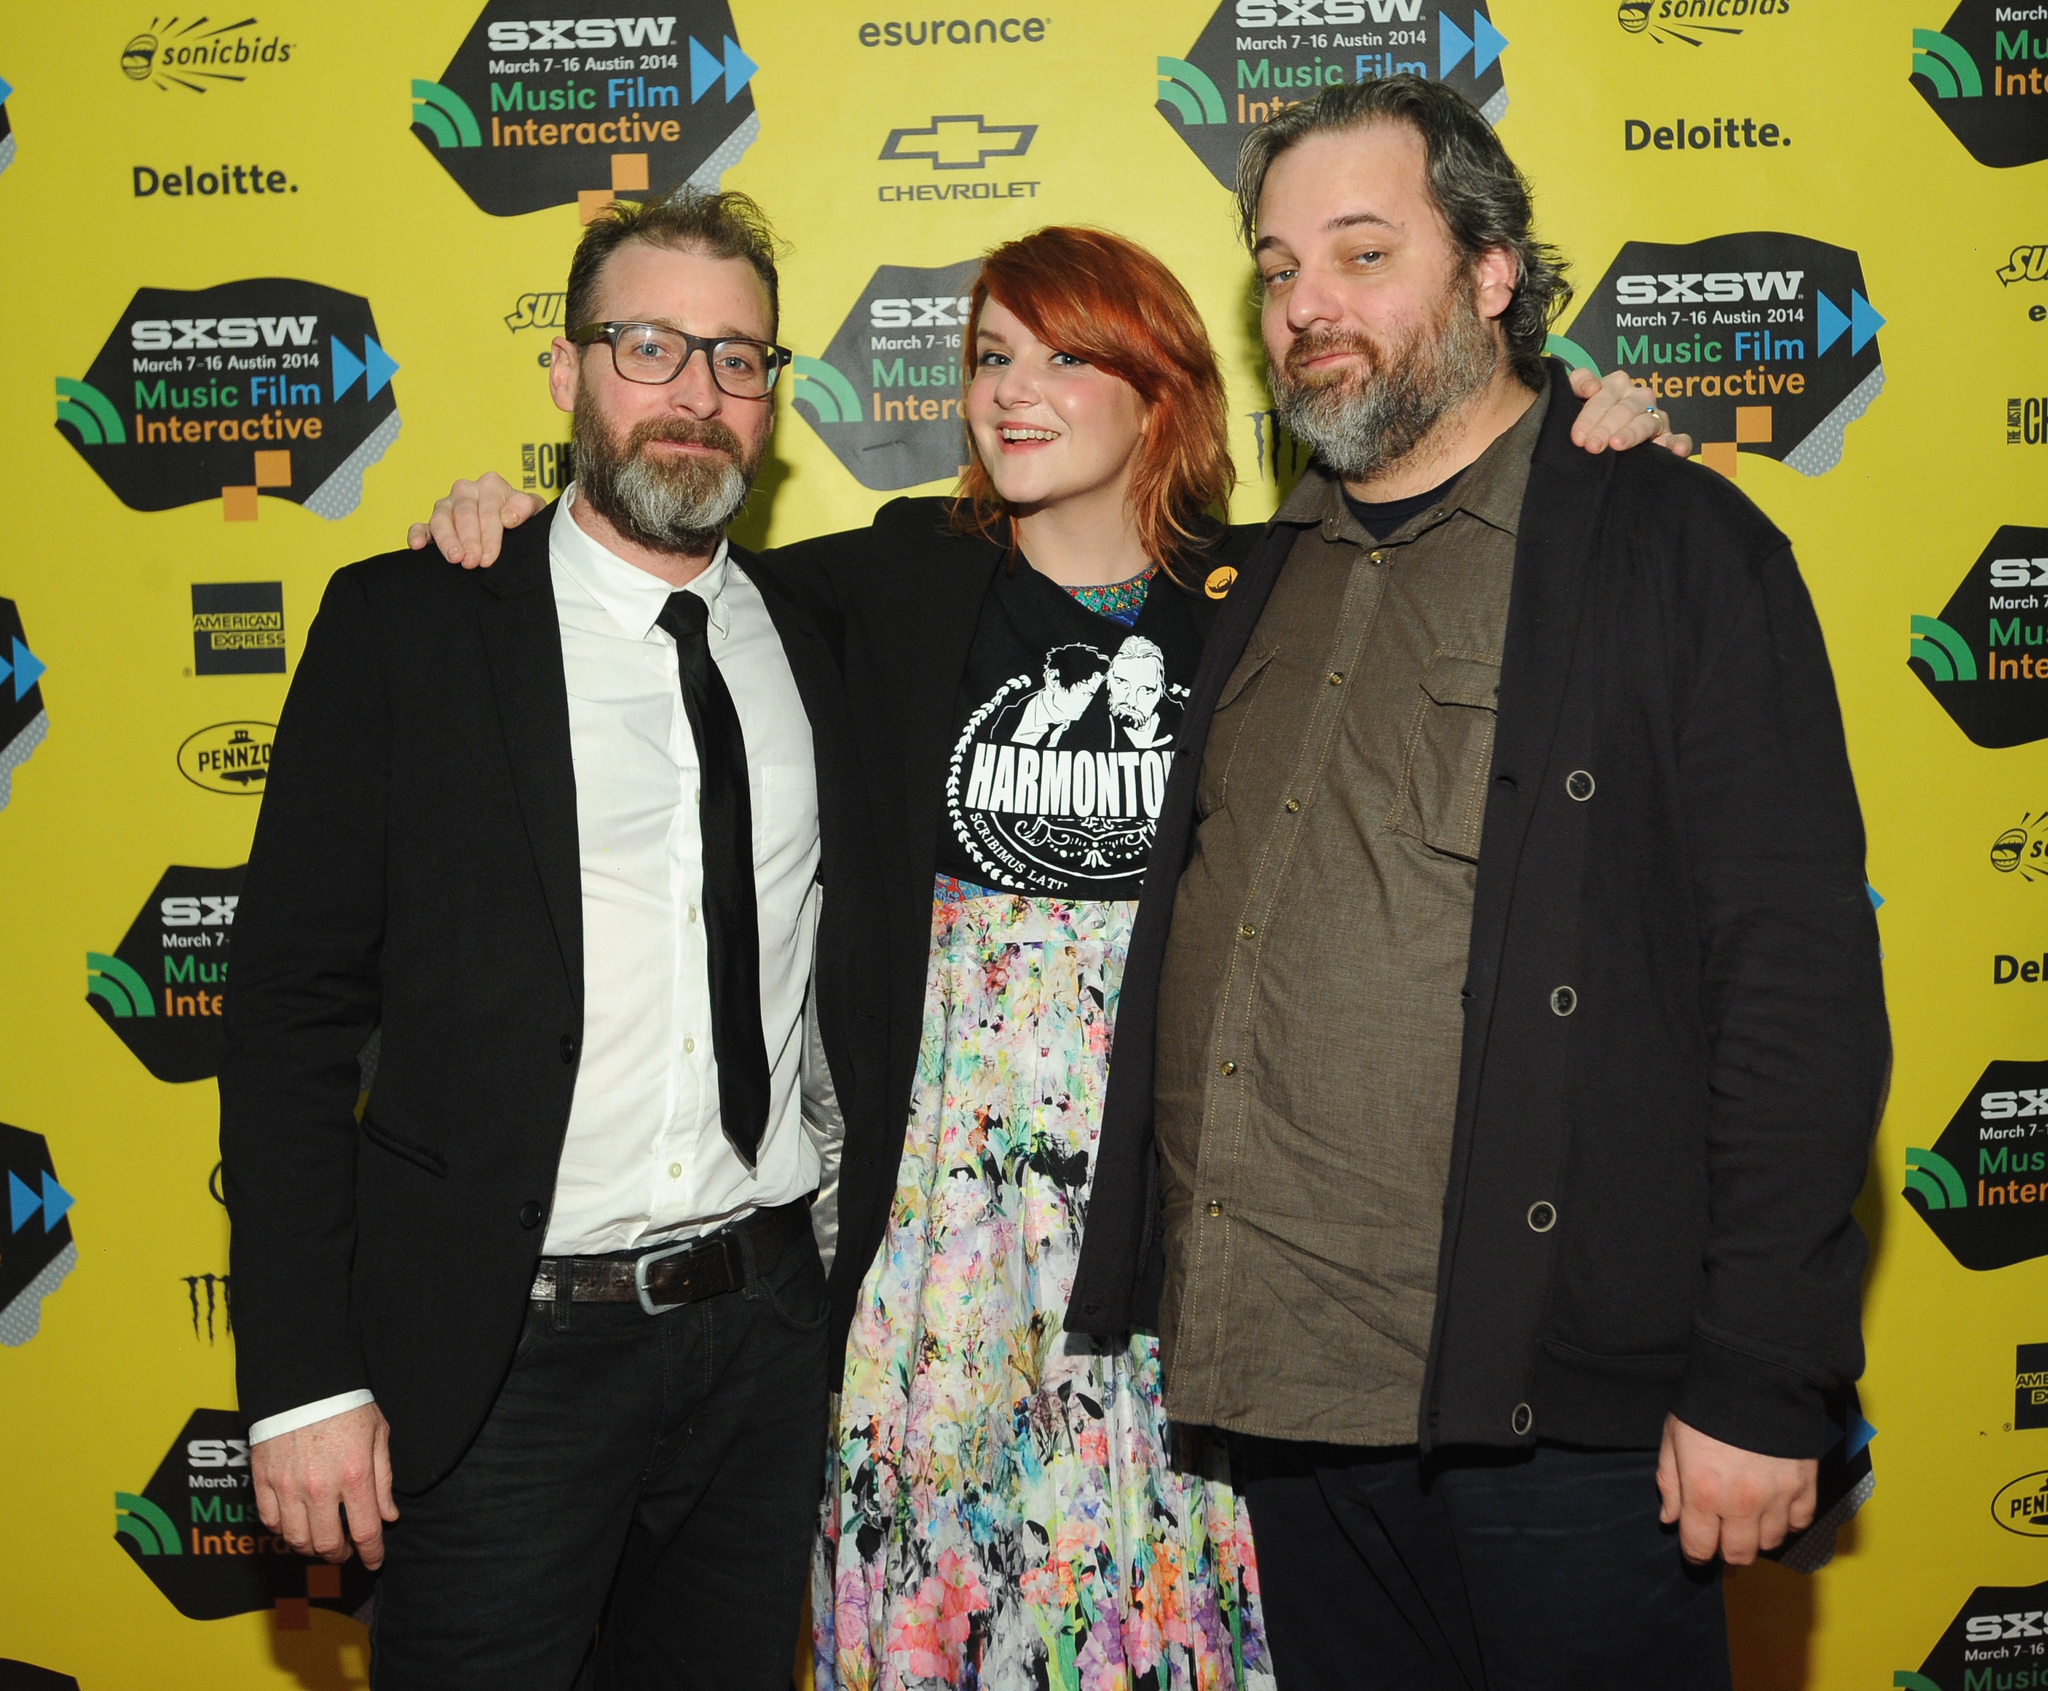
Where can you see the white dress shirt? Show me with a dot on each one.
(646, 1162)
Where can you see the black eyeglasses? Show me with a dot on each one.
(650, 354)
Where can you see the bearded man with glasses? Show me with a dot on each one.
(578, 840)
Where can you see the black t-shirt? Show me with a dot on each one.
(1064, 732)
(1380, 520)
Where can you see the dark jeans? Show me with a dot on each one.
(1476, 1571)
(637, 1510)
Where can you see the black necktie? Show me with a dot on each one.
(725, 822)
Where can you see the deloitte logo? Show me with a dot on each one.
(1253, 60)
(886, 396)
(1757, 342)
(163, 990)
(195, 1533)
(1982, 1187)
(38, 1252)
(538, 112)
(1985, 74)
(1984, 655)
(23, 721)
(235, 391)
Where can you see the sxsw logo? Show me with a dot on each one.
(1982, 1186)
(960, 143)
(1991, 1614)
(2001, 117)
(1978, 656)
(1252, 62)
(163, 990)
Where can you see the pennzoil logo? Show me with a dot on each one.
(270, 386)
(538, 112)
(229, 757)
(200, 55)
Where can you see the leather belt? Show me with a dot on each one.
(680, 1274)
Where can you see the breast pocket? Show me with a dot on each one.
(1233, 709)
(1442, 797)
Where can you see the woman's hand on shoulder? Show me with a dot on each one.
(469, 522)
(1618, 415)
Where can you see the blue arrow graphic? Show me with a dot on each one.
(1832, 321)
(380, 366)
(739, 69)
(347, 367)
(26, 669)
(1487, 43)
(23, 1200)
(6, 88)
(1484, 44)
(1452, 44)
(1863, 321)
(705, 70)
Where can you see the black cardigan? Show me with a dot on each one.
(908, 595)
(1701, 1121)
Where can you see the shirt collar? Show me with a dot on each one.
(1491, 488)
(629, 595)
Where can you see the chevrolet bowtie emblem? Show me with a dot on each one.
(960, 143)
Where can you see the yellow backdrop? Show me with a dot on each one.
(282, 278)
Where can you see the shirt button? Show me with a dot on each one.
(693, 913)
(1542, 1217)
(568, 1048)
(1579, 785)
(529, 1214)
(1228, 1068)
(1336, 678)
(1247, 932)
(689, 1045)
(1563, 1001)
(1293, 805)
(675, 1171)
(1215, 1206)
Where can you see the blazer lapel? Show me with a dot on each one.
(523, 646)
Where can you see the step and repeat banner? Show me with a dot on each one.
(275, 279)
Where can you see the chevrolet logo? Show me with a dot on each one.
(960, 143)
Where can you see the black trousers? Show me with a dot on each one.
(1478, 1571)
(638, 1510)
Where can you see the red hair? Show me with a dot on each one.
(1102, 298)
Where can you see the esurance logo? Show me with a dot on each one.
(23, 721)
(176, 53)
(1756, 342)
(1984, 657)
(195, 1533)
(1695, 22)
(1982, 1187)
(537, 112)
(38, 1250)
(886, 396)
(1255, 58)
(272, 386)
(163, 989)
(1985, 74)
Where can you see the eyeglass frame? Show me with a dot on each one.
(780, 357)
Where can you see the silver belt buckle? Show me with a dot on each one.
(640, 1266)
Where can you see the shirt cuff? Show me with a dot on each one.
(291, 1420)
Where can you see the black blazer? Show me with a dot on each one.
(1700, 1121)
(415, 870)
(910, 594)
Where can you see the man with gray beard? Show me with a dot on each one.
(542, 1330)
(1502, 1033)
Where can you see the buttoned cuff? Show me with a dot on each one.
(291, 1420)
(1750, 1403)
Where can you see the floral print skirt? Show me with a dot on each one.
(1008, 1507)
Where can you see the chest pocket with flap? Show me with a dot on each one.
(1442, 797)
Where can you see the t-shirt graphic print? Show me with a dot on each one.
(1067, 724)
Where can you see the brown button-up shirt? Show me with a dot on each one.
(1310, 1012)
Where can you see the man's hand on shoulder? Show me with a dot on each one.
(469, 522)
(305, 1478)
(1728, 1501)
(1618, 415)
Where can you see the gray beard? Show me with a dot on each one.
(1363, 425)
(682, 505)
